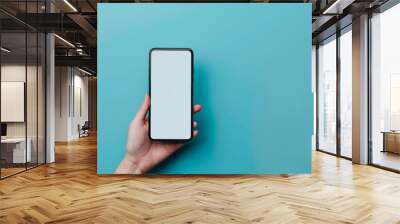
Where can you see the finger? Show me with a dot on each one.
(194, 124)
(146, 125)
(197, 108)
(141, 114)
(195, 133)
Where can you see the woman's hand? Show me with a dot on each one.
(142, 154)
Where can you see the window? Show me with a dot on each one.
(22, 77)
(327, 95)
(385, 89)
(346, 92)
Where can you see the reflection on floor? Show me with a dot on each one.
(70, 191)
(386, 159)
(11, 169)
(346, 152)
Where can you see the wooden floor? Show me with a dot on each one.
(5, 172)
(9, 171)
(70, 191)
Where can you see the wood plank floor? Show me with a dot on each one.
(5, 172)
(70, 191)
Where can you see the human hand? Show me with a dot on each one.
(142, 153)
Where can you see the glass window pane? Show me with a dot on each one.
(31, 87)
(14, 153)
(314, 77)
(32, 95)
(385, 93)
(346, 94)
(22, 89)
(41, 98)
(327, 96)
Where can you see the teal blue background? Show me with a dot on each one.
(252, 75)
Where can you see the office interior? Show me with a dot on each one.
(29, 58)
(48, 85)
(334, 75)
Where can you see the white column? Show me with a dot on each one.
(50, 92)
(360, 90)
(50, 99)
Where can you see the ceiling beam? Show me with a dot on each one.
(82, 61)
(338, 6)
(86, 26)
(321, 20)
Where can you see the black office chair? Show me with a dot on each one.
(84, 130)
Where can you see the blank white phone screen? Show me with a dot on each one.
(171, 94)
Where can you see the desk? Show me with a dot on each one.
(16, 147)
(391, 141)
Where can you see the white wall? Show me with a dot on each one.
(62, 82)
(16, 72)
(70, 83)
(79, 117)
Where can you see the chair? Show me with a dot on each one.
(84, 130)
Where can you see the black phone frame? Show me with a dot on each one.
(191, 92)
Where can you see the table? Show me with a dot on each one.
(391, 141)
(16, 147)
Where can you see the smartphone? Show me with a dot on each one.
(171, 94)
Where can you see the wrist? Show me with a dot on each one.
(129, 166)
